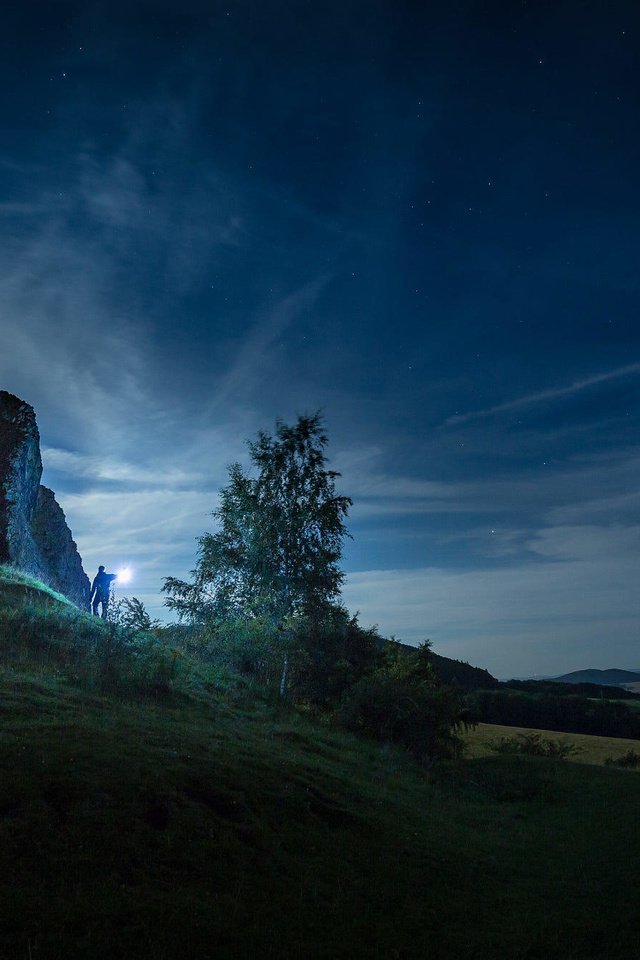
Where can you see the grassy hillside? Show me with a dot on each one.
(16, 585)
(206, 823)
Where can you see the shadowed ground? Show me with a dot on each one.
(210, 824)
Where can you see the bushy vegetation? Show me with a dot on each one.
(574, 714)
(402, 701)
(156, 799)
(40, 629)
(556, 689)
(535, 745)
(630, 759)
(129, 612)
(462, 675)
(346, 675)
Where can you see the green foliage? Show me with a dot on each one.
(249, 649)
(132, 662)
(129, 612)
(573, 714)
(458, 673)
(403, 702)
(279, 539)
(412, 666)
(630, 759)
(324, 658)
(330, 653)
(535, 745)
(38, 631)
(198, 824)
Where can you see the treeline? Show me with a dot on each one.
(551, 711)
(458, 673)
(556, 689)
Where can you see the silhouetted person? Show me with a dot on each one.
(101, 590)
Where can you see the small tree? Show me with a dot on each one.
(278, 545)
(402, 701)
(131, 613)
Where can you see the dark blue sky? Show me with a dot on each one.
(420, 217)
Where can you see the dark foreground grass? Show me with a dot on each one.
(202, 829)
(133, 830)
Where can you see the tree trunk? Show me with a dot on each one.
(283, 678)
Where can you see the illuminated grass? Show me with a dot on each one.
(17, 584)
(42, 632)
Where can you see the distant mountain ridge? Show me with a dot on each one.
(606, 678)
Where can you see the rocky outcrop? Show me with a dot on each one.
(34, 535)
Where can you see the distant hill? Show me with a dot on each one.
(458, 673)
(455, 673)
(605, 678)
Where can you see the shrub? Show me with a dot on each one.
(128, 661)
(535, 745)
(630, 759)
(329, 655)
(251, 650)
(403, 702)
(131, 612)
(93, 653)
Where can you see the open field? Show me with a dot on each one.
(590, 749)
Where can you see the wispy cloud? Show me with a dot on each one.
(574, 604)
(543, 396)
(153, 531)
(257, 353)
(99, 469)
(569, 492)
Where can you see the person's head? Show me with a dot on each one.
(101, 569)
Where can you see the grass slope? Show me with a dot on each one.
(212, 826)
(17, 585)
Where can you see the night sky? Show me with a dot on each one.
(421, 218)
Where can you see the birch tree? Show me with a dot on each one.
(280, 528)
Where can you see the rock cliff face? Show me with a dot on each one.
(34, 535)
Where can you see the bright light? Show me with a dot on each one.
(124, 575)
